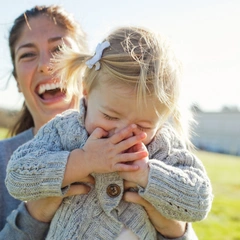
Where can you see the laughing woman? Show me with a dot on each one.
(34, 37)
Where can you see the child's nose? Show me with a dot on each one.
(120, 127)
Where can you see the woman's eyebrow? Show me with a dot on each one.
(55, 39)
(50, 40)
(27, 45)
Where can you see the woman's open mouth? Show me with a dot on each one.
(51, 91)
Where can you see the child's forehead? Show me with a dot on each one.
(110, 81)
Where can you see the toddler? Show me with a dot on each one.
(131, 103)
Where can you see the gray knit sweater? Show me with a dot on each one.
(178, 185)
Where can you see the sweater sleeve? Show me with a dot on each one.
(178, 185)
(36, 169)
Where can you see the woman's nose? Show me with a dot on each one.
(44, 63)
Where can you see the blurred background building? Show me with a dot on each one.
(218, 131)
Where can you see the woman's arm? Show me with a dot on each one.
(32, 215)
(166, 228)
(21, 224)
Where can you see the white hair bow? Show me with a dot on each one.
(98, 54)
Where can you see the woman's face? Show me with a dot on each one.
(33, 52)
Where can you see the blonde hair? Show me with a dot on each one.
(136, 57)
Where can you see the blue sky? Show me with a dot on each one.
(205, 35)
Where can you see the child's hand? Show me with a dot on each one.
(102, 155)
(140, 176)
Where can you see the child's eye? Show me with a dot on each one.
(108, 117)
(144, 129)
(141, 128)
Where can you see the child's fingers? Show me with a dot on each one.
(132, 141)
(123, 134)
(125, 162)
(130, 157)
(121, 167)
(98, 133)
(136, 131)
(137, 147)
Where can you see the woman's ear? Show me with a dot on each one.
(15, 77)
(19, 87)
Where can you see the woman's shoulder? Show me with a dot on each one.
(17, 139)
(9, 145)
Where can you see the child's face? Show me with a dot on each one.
(112, 108)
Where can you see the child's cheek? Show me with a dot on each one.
(148, 139)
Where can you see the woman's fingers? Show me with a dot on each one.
(88, 179)
(77, 189)
(81, 187)
(134, 197)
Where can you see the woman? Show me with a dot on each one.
(34, 38)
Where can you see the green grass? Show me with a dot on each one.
(3, 133)
(223, 222)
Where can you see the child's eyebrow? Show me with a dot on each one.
(111, 110)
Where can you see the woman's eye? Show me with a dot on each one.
(27, 55)
(57, 49)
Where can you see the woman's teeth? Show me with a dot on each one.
(46, 87)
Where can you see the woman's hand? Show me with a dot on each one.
(169, 228)
(44, 209)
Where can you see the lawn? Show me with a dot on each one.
(223, 222)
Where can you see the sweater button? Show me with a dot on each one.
(113, 190)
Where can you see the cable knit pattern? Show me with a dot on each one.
(178, 184)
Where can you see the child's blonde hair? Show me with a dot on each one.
(136, 57)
